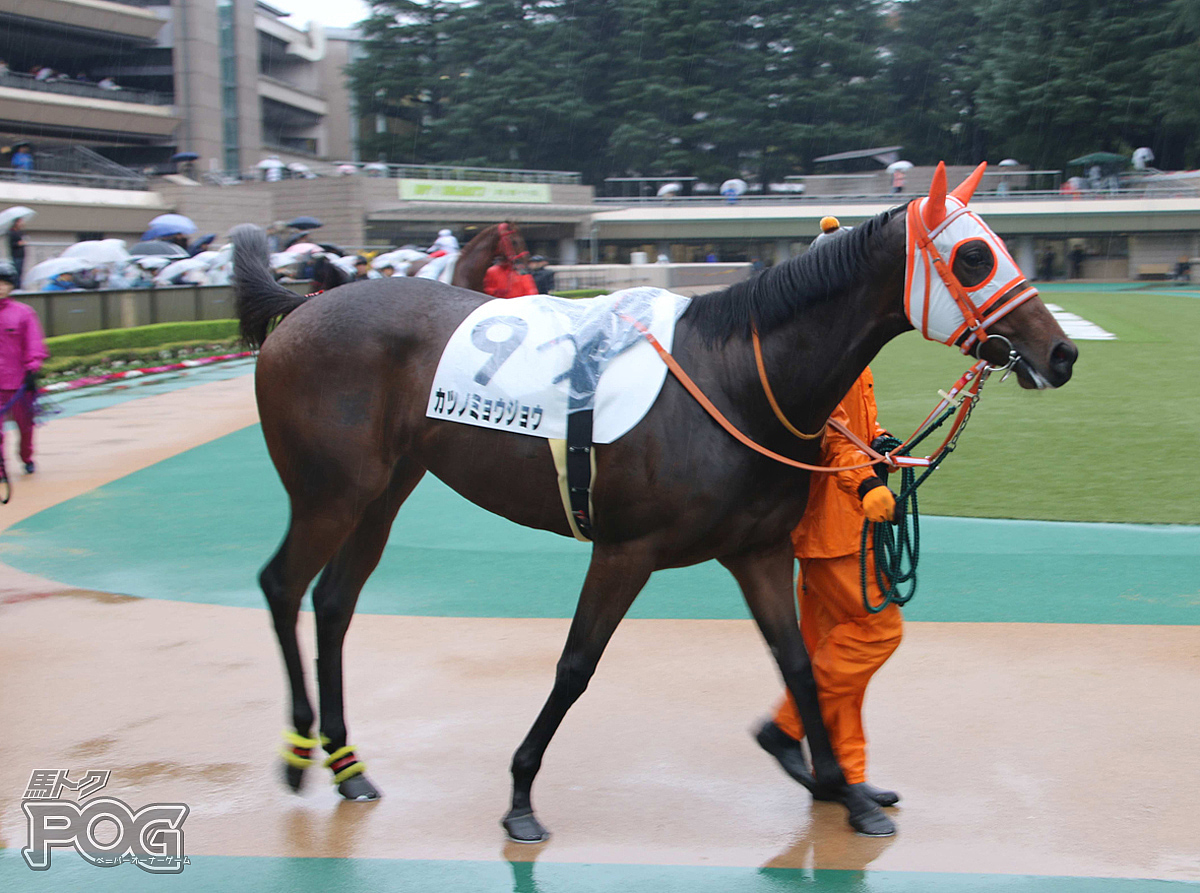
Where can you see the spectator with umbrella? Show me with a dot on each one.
(12, 222)
(187, 163)
(22, 352)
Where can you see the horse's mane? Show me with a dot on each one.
(770, 299)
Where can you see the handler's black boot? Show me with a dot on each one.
(790, 755)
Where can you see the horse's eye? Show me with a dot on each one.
(976, 256)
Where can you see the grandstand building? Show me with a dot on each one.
(138, 82)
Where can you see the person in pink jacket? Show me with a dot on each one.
(22, 352)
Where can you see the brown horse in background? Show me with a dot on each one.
(497, 240)
(343, 384)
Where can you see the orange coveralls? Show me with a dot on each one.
(845, 643)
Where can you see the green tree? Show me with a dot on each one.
(934, 53)
(1065, 77)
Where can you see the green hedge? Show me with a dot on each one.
(581, 293)
(68, 367)
(156, 336)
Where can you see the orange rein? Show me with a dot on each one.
(971, 380)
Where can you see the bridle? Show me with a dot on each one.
(507, 248)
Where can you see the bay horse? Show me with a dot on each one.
(343, 383)
(499, 239)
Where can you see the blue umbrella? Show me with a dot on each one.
(305, 223)
(159, 231)
(184, 156)
(173, 224)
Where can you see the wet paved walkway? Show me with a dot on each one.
(1036, 755)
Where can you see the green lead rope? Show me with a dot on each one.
(897, 544)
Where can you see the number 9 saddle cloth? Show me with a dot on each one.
(524, 364)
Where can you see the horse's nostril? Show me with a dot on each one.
(1063, 357)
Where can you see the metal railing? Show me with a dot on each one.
(71, 87)
(1143, 190)
(424, 171)
(60, 178)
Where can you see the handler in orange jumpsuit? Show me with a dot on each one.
(845, 642)
(503, 280)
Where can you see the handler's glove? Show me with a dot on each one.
(879, 503)
(879, 445)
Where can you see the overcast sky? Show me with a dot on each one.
(342, 14)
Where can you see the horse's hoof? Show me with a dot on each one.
(293, 776)
(872, 823)
(523, 827)
(358, 789)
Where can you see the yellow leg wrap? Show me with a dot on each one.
(356, 768)
(295, 749)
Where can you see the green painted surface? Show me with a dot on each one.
(1117, 443)
(287, 875)
(198, 526)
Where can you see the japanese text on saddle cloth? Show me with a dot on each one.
(573, 370)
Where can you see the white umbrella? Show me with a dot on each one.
(346, 265)
(282, 259)
(1009, 162)
(152, 261)
(48, 269)
(733, 188)
(17, 212)
(899, 166)
(271, 162)
(170, 273)
(400, 258)
(669, 189)
(1142, 157)
(101, 251)
(301, 170)
(376, 169)
(347, 169)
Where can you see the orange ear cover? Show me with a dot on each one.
(934, 211)
(966, 188)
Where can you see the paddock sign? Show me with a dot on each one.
(473, 191)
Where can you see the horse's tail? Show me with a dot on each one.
(261, 300)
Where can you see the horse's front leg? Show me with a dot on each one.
(614, 578)
(766, 578)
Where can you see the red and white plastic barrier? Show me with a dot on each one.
(137, 373)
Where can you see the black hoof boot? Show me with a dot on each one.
(297, 756)
(879, 795)
(872, 823)
(523, 827)
(293, 776)
(358, 789)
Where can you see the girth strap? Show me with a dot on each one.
(579, 468)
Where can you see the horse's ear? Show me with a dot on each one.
(964, 190)
(934, 211)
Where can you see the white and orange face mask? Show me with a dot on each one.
(939, 306)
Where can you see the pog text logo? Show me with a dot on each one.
(105, 831)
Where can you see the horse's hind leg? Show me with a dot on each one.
(309, 542)
(615, 577)
(334, 599)
(766, 581)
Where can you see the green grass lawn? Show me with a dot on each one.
(1118, 443)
